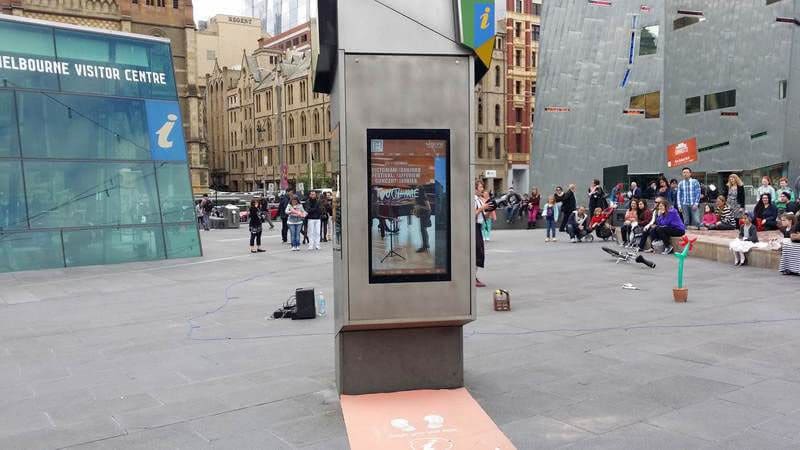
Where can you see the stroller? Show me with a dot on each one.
(601, 227)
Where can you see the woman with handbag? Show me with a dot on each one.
(790, 250)
(255, 228)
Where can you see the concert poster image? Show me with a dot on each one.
(409, 205)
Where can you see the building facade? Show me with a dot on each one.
(221, 41)
(522, 29)
(621, 83)
(262, 115)
(279, 16)
(297, 38)
(93, 162)
(171, 19)
(491, 158)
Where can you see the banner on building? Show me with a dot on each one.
(476, 30)
(682, 153)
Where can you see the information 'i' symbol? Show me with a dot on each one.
(165, 130)
(485, 18)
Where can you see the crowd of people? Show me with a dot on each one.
(677, 206)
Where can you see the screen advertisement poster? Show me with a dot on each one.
(409, 205)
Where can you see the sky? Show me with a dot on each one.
(204, 9)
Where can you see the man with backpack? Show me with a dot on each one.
(206, 206)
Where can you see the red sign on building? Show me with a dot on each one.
(682, 153)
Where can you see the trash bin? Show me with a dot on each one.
(231, 217)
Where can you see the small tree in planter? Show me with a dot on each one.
(680, 293)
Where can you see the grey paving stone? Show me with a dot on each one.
(608, 412)
(712, 420)
(519, 405)
(252, 440)
(787, 427)
(542, 433)
(250, 419)
(753, 439)
(639, 436)
(710, 352)
(681, 390)
(311, 430)
(169, 414)
(63, 436)
(165, 438)
(770, 395)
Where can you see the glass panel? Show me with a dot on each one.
(721, 100)
(650, 103)
(683, 22)
(71, 126)
(9, 144)
(175, 191)
(30, 251)
(22, 46)
(116, 66)
(73, 194)
(12, 197)
(409, 204)
(783, 85)
(182, 241)
(693, 105)
(648, 43)
(113, 245)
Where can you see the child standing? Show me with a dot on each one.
(489, 217)
(748, 238)
(549, 214)
(709, 216)
(766, 188)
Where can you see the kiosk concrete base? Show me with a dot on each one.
(376, 361)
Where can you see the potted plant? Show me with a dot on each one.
(680, 293)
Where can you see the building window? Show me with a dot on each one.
(518, 6)
(290, 94)
(480, 111)
(211, 55)
(303, 92)
(533, 59)
(537, 9)
(303, 125)
(519, 142)
(518, 87)
(304, 153)
(518, 112)
(648, 42)
(497, 115)
(316, 122)
(291, 126)
(693, 105)
(480, 147)
(783, 86)
(518, 58)
(291, 154)
(497, 76)
(497, 148)
(683, 22)
(536, 32)
(269, 130)
(650, 103)
(175, 4)
(258, 103)
(317, 154)
(720, 100)
(517, 29)
(533, 88)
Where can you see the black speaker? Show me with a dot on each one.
(328, 58)
(306, 309)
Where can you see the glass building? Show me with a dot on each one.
(93, 163)
(278, 16)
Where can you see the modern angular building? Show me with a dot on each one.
(93, 166)
(620, 81)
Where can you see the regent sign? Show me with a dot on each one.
(81, 70)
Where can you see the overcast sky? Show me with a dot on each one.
(203, 9)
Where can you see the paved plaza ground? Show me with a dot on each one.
(105, 357)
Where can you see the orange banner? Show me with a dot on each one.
(682, 153)
(420, 420)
